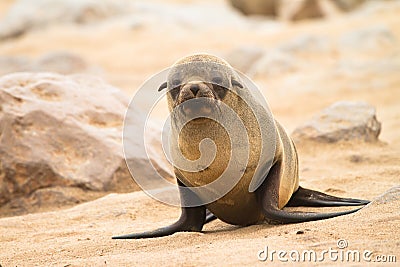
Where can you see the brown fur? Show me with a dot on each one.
(236, 207)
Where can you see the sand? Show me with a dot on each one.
(81, 235)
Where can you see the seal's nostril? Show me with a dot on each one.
(194, 88)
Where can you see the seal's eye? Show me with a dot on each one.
(217, 80)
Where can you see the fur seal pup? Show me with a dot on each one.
(269, 180)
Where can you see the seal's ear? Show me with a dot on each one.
(236, 83)
(163, 86)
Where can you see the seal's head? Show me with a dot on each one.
(196, 84)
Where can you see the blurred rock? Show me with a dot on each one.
(61, 131)
(194, 16)
(376, 37)
(295, 10)
(243, 58)
(363, 69)
(348, 5)
(341, 121)
(307, 44)
(274, 62)
(59, 62)
(287, 57)
(290, 10)
(257, 7)
(373, 8)
(9, 64)
(42, 198)
(301, 9)
(26, 15)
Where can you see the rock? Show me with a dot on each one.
(301, 9)
(198, 15)
(369, 54)
(61, 131)
(138, 159)
(9, 64)
(307, 44)
(348, 5)
(341, 121)
(274, 63)
(59, 62)
(257, 7)
(376, 37)
(286, 57)
(295, 10)
(372, 8)
(357, 69)
(39, 199)
(26, 15)
(289, 10)
(243, 58)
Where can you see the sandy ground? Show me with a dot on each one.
(81, 236)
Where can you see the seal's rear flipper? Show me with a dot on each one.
(283, 216)
(268, 197)
(310, 198)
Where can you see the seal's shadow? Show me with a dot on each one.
(221, 227)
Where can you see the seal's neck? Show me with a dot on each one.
(195, 131)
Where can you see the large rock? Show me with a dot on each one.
(63, 131)
(348, 5)
(301, 9)
(26, 15)
(257, 7)
(292, 10)
(341, 121)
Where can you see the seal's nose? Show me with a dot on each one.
(194, 88)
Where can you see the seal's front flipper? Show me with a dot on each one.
(191, 220)
(310, 198)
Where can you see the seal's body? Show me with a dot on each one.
(269, 178)
(239, 206)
